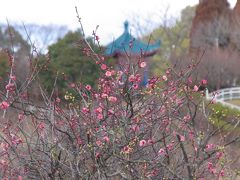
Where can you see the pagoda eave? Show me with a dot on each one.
(122, 54)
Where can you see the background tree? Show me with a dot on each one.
(174, 35)
(66, 58)
(204, 33)
(212, 32)
(210, 25)
(11, 40)
(235, 26)
(3, 64)
(41, 36)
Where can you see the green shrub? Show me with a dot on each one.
(222, 116)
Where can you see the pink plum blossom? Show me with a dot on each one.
(58, 100)
(204, 82)
(41, 125)
(98, 110)
(4, 105)
(219, 155)
(108, 74)
(195, 88)
(99, 116)
(88, 87)
(211, 168)
(135, 128)
(104, 95)
(99, 143)
(164, 78)
(150, 141)
(127, 149)
(143, 64)
(103, 66)
(72, 85)
(112, 99)
(182, 138)
(187, 117)
(131, 78)
(20, 116)
(10, 87)
(142, 143)
(106, 139)
(221, 173)
(190, 80)
(135, 86)
(161, 152)
(12, 77)
(209, 147)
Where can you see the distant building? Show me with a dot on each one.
(126, 45)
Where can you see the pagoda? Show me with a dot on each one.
(128, 46)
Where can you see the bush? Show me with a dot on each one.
(117, 130)
(224, 117)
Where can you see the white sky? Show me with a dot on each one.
(108, 14)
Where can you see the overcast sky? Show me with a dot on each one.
(108, 14)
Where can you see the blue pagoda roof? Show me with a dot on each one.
(126, 43)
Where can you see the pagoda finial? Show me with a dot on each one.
(126, 26)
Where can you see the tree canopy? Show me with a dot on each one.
(175, 38)
(12, 41)
(68, 59)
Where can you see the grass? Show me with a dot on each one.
(235, 102)
(225, 117)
